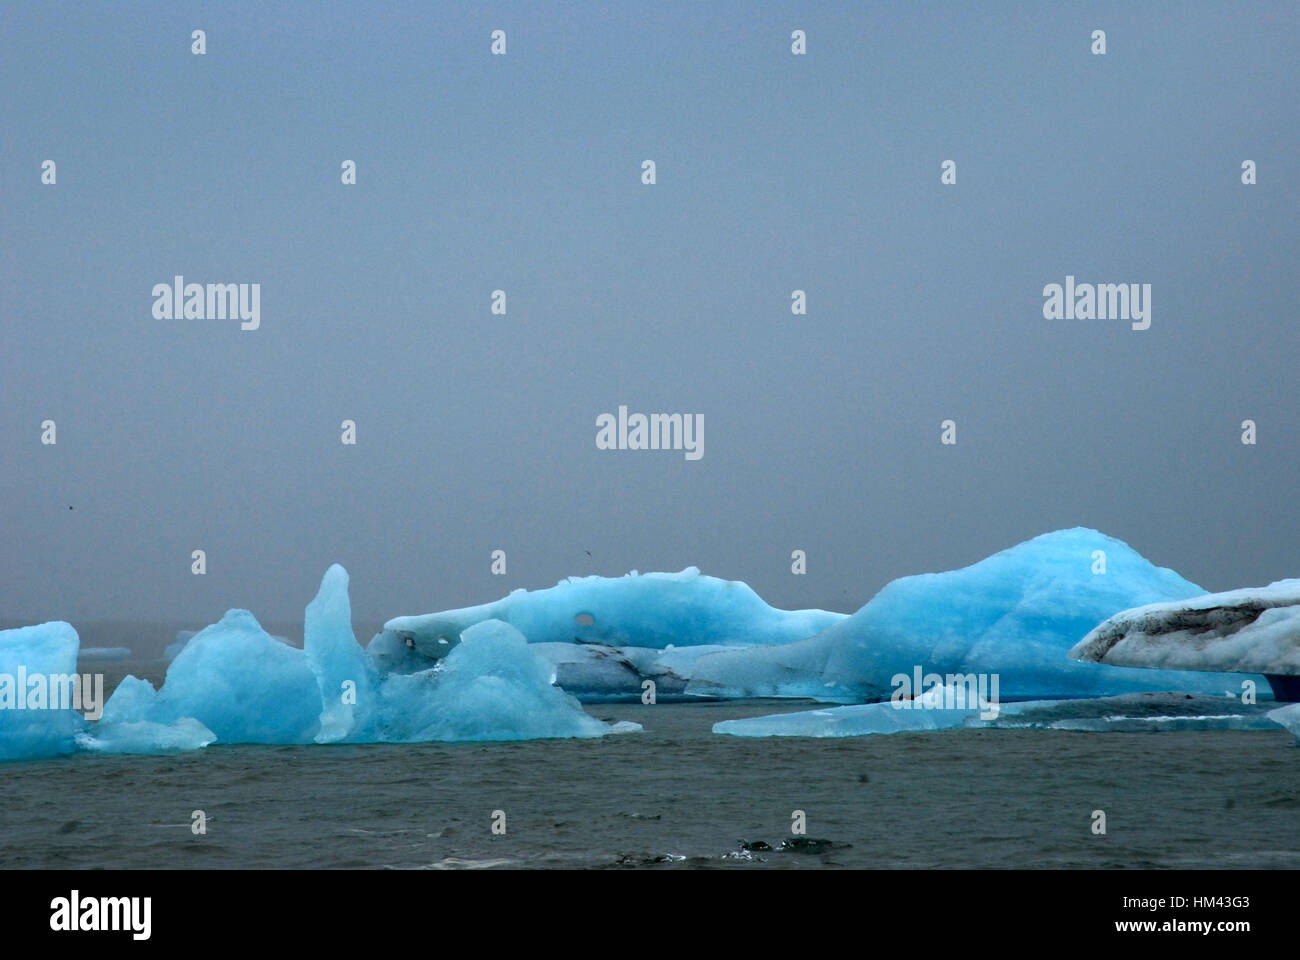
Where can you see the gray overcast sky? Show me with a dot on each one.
(775, 172)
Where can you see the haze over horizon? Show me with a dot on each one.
(476, 432)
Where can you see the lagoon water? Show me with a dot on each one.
(674, 797)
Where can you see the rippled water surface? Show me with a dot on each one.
(674, 797)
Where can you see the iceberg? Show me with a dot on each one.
(1289, 717)
(491, 687)
(1134, 713)
(596, 673)
(1253, 630)
(237, 681)
(146, 737)
(1014, 614)
(792, 670)
(234, 683)
(36, 667)
(183, 637)
(344, 675)
(939, 709)
(105, 653)
(652, 610)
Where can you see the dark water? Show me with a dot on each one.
(992, 798)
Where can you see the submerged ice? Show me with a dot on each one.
(940, 709)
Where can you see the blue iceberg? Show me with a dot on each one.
(946, 708)
(145, 737)
(1289, 717)
(234, 679)
(241, 685)
(345, 678)
(183, 637)
(37, 718)
(1015, 614)
(105, 653)
(937, 709)
(491, 687)
(653, 610)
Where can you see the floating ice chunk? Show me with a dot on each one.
(146, 737)
(37, 665)
(1133, 713)
(598, 673)
(105, 653)
(1254, 630)
(236, 680)
(638, 610)
(790, 670)
(131, 702)
(1127, 713)
(1289, 717)
(1014, 614)
(344, 674)
(936, 709)
(238, 684)
(183, 637)
(591, 672)
(670, 668)
(491, 686)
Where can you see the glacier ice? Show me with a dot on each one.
(145, 737)
(490, 687)
(936, 709)
(34, 662)
(796, 669)
(1289, 717)
(1125, 713)
(653, 610)
(511, 669)
(105, 653)
(1134, 713)
(244, 686)
(183, 637)
(595, 672)
(1014, 614)
(1253, 630)
(130, 702)
(345, 677)
(237, 681)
